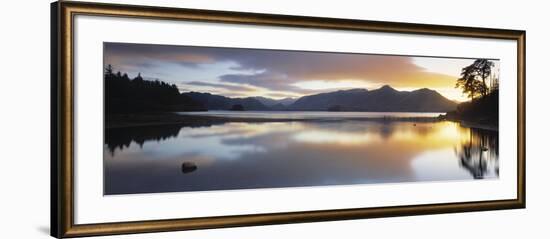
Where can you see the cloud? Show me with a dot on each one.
(147, 55)
(279, 70)
(220, 86)
(267, 80)
(315, 66)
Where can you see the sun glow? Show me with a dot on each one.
(450, 93)
(454, 94)
(234, 72)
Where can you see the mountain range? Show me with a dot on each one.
(384, 99)
(218, 102)
(272, 102)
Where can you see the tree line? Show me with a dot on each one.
(126, 95)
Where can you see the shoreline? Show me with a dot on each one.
(114, 121)
(470, 124)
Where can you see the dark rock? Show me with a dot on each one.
(188, 167)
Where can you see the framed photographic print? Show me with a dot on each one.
(170, 119)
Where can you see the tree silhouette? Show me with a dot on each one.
(125, 95)
(473, 78)
(109, 71)
(470, 86)
(483, 68)
(138, 77)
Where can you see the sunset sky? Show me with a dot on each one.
(277, 74)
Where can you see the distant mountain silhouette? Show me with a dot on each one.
(383, 99)
(125, 95)
(273, 102)
(218, 102)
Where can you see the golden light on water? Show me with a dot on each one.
(287, 154)
(333, 137)
(422, 134)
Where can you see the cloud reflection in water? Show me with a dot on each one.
(290, 154)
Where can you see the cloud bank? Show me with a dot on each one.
(274, 71)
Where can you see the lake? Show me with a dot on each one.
(345, 150)
(311, 114)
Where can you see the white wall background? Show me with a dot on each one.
(24, 127)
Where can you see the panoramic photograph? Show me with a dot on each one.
(194, 118)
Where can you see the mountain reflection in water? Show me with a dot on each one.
(173, 158)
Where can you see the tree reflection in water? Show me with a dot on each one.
(121, 138)
(478, 153)
(241, 155)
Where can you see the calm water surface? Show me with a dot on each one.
(290, 154)
(309, 114)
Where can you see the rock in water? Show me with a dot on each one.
(188, 167)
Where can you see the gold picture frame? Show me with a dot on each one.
(62, 128)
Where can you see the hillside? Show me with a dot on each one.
(218, 102)
(125, 95)
(482, 111)
(272, 102)
(383, 99)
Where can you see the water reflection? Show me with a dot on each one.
(479, 153)
(121, 138)
(289, 154)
